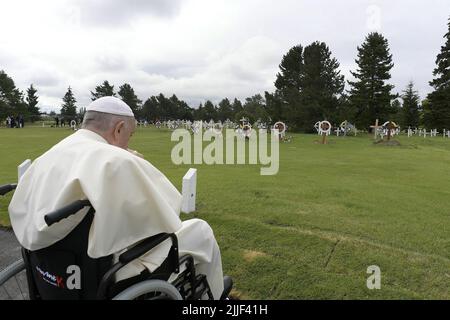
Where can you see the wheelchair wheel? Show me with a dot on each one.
(13, 282)
(150, 290)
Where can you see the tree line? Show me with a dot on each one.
(309, 87)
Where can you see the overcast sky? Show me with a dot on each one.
(203, 49)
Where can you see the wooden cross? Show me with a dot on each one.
(375, 127)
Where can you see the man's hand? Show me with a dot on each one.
(136, 153)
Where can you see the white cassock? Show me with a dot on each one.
(132, 200)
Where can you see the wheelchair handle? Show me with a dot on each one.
(7, 188)
(64, 212)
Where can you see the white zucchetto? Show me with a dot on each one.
(110, 105)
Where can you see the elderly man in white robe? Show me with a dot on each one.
(132, 199)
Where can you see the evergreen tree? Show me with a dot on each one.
(126, 93)
(309, 87)
(291, 70)
(103, 90)
(225, 110)
(210, 111)
(165, 106)
(184, 111)
(410, 107)
(426, 119)
(396, 114)
(174, 111)
(68, 108)
(32, 101)
(151, 110)
(11, 98)
(322, 84)
(370, 95)
(255, 109)
(236, 106)
(439, 99)
(199, 113)
(289, 86)
(274, 107)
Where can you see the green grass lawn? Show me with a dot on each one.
(311, 231)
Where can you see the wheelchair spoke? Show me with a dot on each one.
(7, 293)
(20, 289)
(13, 288)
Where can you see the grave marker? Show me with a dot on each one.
(375, 127)
(189, 191)
(22, 168)
(324, 130)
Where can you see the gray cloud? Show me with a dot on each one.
(171, 70)
(44, 79)
(111, 62)
(204, 49)
(115, 13)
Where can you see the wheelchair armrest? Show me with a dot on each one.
(7, 188)
(145, 246)
(134, 253)
(64, 212)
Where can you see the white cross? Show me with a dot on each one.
(375, 127)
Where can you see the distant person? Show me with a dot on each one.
(57, 122)
(13, 122)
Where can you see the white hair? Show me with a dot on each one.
(104, 121)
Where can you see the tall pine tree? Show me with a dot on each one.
(322, 84)
(126, 93)
(309, 85)
(210, 111)
(32, 101)
(237, 107)
(370, 94)
(225, 110)
(103, 90)
(439, 100)
(68, 108)
(410, 107)
(288, 87)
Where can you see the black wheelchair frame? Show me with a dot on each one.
(98, 275)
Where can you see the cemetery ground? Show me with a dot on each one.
(312, 230)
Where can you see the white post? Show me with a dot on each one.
(22, 168)
(189, 191)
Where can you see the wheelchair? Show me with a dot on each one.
(64, 271)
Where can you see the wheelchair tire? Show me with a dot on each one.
(147, 287)
(11, 270)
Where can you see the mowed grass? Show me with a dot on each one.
(311, 231)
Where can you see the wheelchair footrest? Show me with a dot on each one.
(193, 287)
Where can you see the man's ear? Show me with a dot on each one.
(119, 126)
